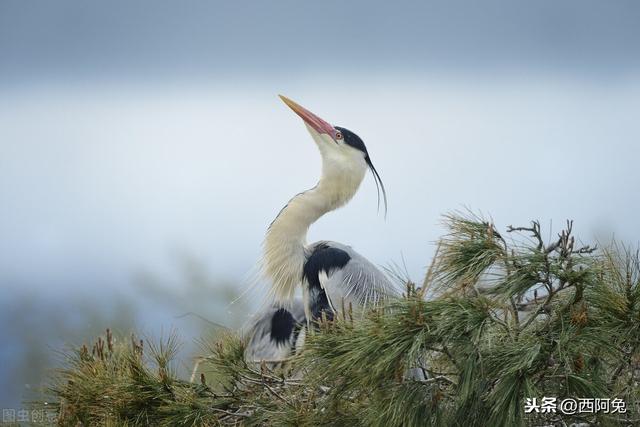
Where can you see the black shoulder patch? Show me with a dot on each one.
(282, 325)
(352, 139)
(323, 258)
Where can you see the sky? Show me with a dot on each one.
(70, 39)
(132, 132)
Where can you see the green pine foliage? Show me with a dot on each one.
(498, 319)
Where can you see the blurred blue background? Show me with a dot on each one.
(143, 149)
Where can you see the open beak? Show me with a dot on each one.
(309, 118)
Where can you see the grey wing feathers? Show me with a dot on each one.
(358, 282)
(271, 334)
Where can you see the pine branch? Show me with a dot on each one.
(493, 323)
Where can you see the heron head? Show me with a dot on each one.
(341, 149)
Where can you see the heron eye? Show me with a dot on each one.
(338, 135)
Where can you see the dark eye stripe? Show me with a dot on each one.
(352, 139)
(356, 142)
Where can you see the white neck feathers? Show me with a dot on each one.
(284, 245)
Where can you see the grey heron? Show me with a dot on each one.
(331, 275)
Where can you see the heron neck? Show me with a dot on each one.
(284, 245)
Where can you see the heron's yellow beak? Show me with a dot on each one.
(309, 118)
